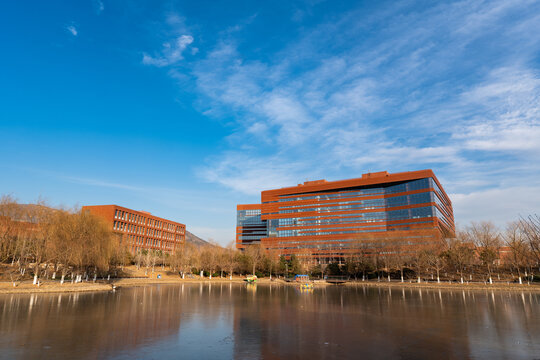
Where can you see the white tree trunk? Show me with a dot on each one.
(54, 275)
(520, 282)
(401, 278)
(35, 280)
(490, 280)
(419, 281)
(438, 279)
(62, 280)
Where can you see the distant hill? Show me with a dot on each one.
(195, 240)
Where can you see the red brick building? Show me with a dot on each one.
(378, 213)
(141, 230)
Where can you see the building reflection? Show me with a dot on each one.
(336, 322)
(270, 321)
(94, 325)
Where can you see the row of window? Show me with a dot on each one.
(248, 217)
(136, 249)
(393, 215)
(347, 230)
(356, 244)
(378, 248)
(139, 219)
(142, 241)
(392, 189)
(404, 200)
(121, 226)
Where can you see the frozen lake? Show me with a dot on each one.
(238, 321)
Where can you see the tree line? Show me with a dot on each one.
(479, 252)
(55, 243)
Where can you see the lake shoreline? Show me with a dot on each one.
(448, 286)
(52, 286)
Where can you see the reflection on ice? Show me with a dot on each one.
(271, 321)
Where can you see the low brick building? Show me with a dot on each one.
(141, 230)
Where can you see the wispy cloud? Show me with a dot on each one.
(100, 183)
(72, 29)
(451, 86)
(510, 118)
(99, 6)
(500, 204)
(171, 53)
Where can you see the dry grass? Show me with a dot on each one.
(133, 277)
(449, 286)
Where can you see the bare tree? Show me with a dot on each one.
(520, 255)
(255, 255)
(230, 259)
(209, 258)
(487, 240)
(530, 227)
(460, 253)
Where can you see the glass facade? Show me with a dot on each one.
(250, 228)
(329, 217)
(354, 210)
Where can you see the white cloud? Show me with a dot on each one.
(100, 183)
(499, 205)
(222, 236)
(72, 29)
(171, 53)
(448, 86)
(99, 6)
(509, 119)
(250, 174)
(383, 105)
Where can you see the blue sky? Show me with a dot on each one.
(187, 108)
